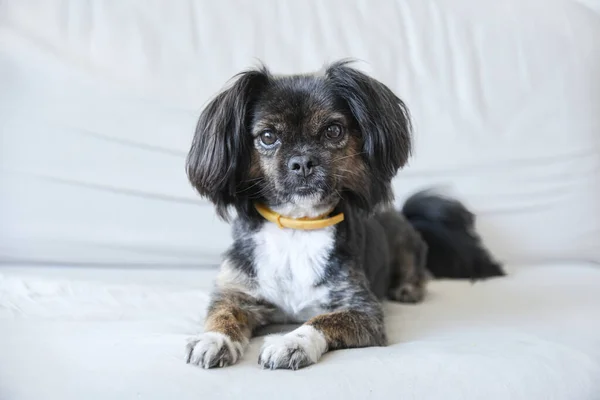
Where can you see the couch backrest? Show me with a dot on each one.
(99, 101)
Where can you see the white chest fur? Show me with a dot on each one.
(289, 263)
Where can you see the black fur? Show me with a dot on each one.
(384, 122)
(217, 163)
(455, 250)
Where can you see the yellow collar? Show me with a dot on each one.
(305, 223)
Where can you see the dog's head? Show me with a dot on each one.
(301, 143)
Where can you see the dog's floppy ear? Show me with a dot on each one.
(382, 118)
(218, 160)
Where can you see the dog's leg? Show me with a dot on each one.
(232, 317)
(408, 272)
(337, 330)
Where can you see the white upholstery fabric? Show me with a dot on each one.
(99, 102)
(117, 334)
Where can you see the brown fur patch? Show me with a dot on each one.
(228, 320)
(350, 167)
(255, 172)
(319, 118)
(235, 314)
(347, 329)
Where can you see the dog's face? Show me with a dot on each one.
(306, 147)
(300, 144)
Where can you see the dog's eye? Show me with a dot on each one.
(268, 138)
(333, 132)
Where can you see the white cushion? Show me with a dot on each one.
(120, 334)
(99, 101)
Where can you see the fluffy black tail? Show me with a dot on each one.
(455, 250)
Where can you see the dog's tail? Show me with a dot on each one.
(455, 250)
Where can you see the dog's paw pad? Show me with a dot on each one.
(407, 293)
(213, 349)
(297, 349)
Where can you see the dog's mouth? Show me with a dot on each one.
(307, 191)
(303, 199)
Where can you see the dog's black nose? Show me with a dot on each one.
(302, 165)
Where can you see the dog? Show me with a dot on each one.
(306, 162)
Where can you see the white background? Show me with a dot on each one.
(99, 100)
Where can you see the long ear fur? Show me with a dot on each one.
(383, 120)
(218, 160)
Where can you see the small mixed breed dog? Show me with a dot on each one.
(307, 161)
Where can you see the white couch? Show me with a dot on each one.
(107, 255)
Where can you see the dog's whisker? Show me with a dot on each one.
(348, 156)
(347, 172)
(350, 172)
(265, 191)
(255, 179)
(258, 181)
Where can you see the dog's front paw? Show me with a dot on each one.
(213, 349)
(297, 349)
